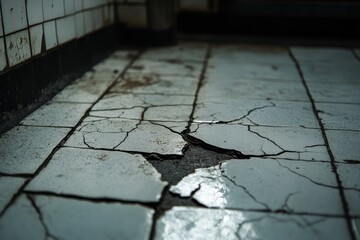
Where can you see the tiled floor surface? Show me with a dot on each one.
(273, 135)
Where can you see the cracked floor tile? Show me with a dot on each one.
(292, 143)
(99, 174)
(335, 92)
(258, 89)
(344, 145)
(196, 223)
(9, 186)
(21, 221)
(89, 220)
(183, 51)
(239, 70)
(156, 84)
(264, 184)
(54, 114)
(350, 178)
(82, 90)
(341, 74)
(167, 67)
(324, 56)
(339, 116)
(250, 53)
(102, 75)
(23, 149)
(129, 135)
(123, 54)
(255, 112)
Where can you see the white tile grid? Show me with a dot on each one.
(34, 11)
(65, 28)
(1, 26)
(79, 25)
(3, 60)
(69, 6)
(88, 23)
(78, 5)
(53, 9)
(36, 36)
(18, 47)
(50, 35)
(14, 15)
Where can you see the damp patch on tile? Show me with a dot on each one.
(99, 174)
(23, 149)
(264, 184)
(196, 223)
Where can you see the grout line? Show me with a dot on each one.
(61, 143)
(334, 168)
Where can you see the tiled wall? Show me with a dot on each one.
(31, 27)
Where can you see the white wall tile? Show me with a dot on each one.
(53, 9)
(88, 20)
(1, 27)
(36, 38)
(14, 15)
(34, 11)
(79, 25)
(69, 7)
(93, 3)
(97, 17)
(78, 5)
(65, 29)
(133, 16)
(18, 47)
(50, 35)
(3, 62)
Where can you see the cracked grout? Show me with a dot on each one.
(332, 158)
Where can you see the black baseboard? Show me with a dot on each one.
(27, 86)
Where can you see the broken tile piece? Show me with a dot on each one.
(99, 174)
(339, 116)
(156, 84)
(259, 141)
(23, 149)
(82, 90)
(255, 112)
(21, 221)
(8, 187)
(344, 144)
(88, 220)
(54, 114)
(350, 178)
(264, 184)
(197, 223)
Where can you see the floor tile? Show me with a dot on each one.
(255, 112)
(156, 84)
(335, 92)
(293, 143)
(265, 184)
(168, 67)
(339, 116)
(106, 75)
(99, 174)
(197, 223)
(8, 187)
(251, 53)
(344, 145)
(340, 74)
(23, 149)
(253, 88)
(350, 178)
(82, 90)
(231, 70)
(128, 135)
(87, 220)
(183, 51)
(54, 114)
(109, 65)
(21, 221)
(324, 56)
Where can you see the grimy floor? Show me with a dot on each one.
(195, 141)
